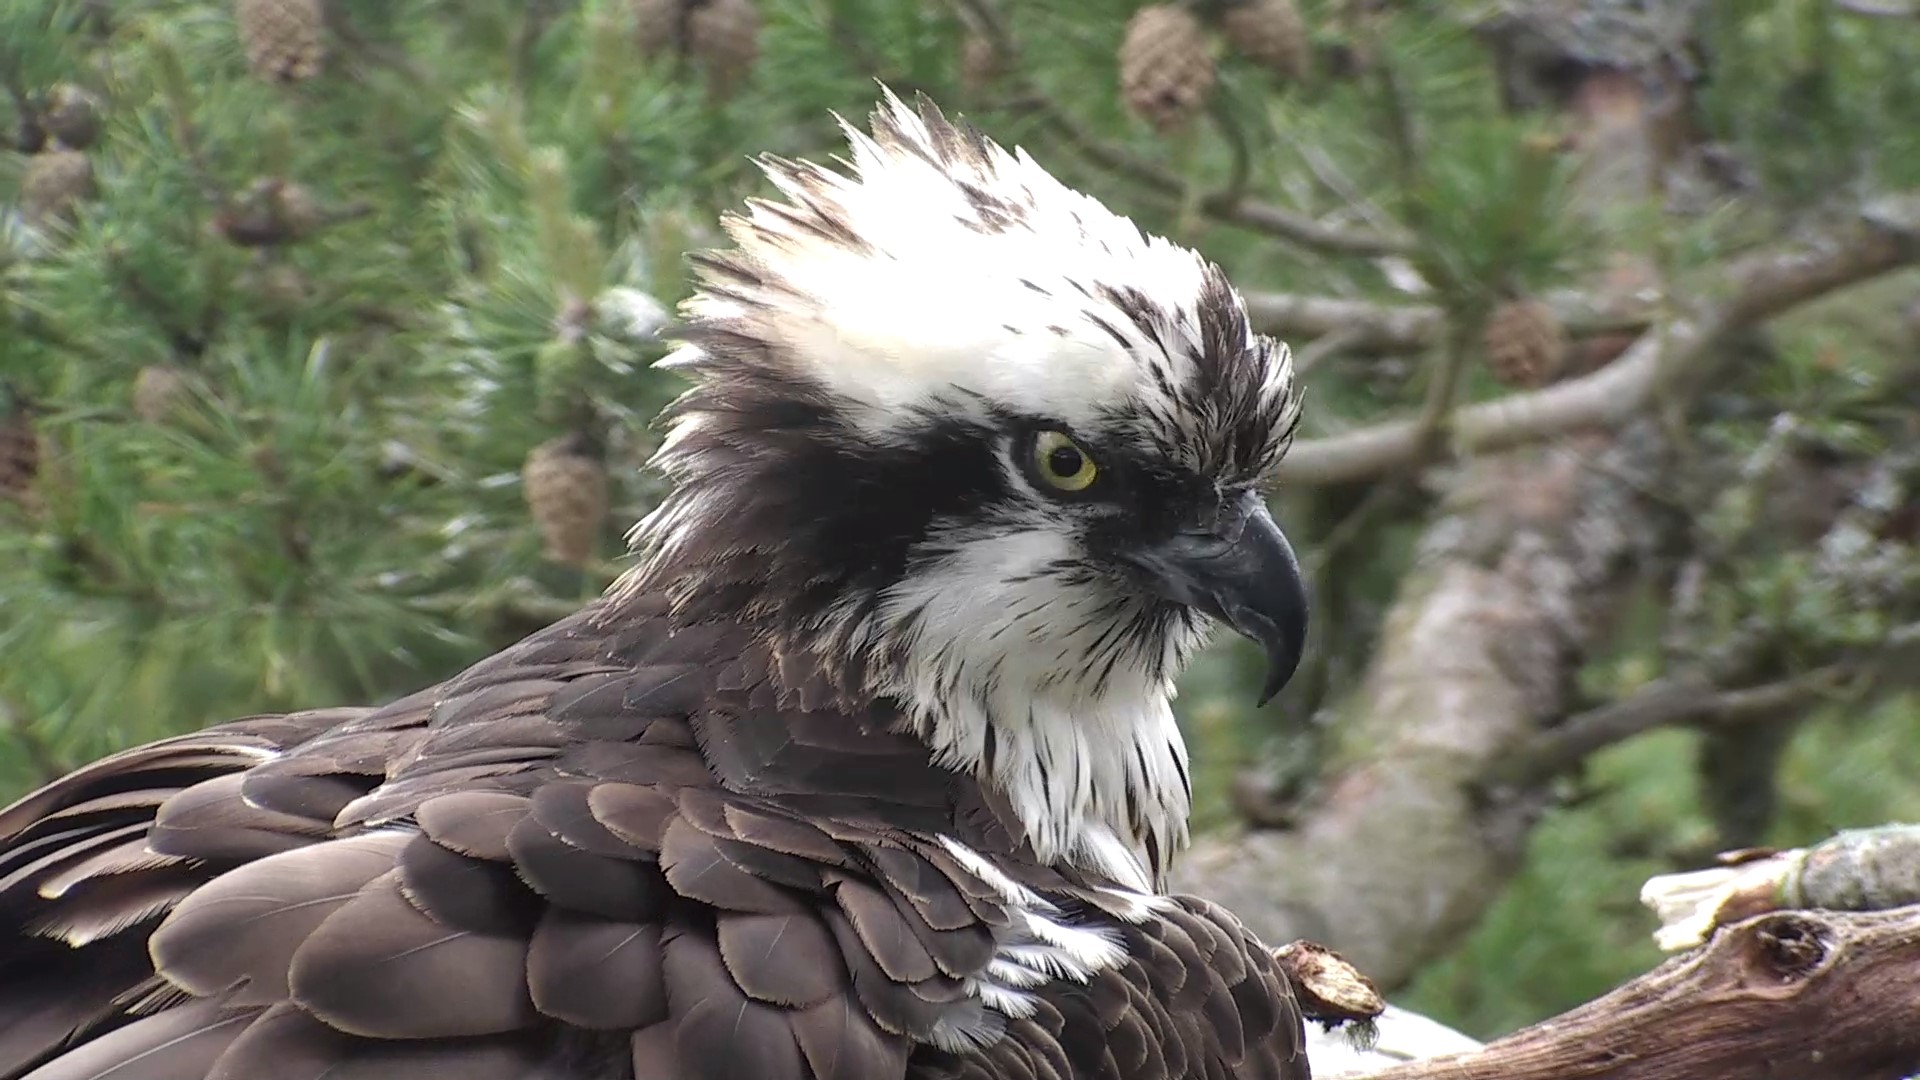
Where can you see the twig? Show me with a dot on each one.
(1430, 427)
(1878, 10)
(1333, 342)
(1377, 501)
(1689, 697)
(1240, 175)
(1395, 328)
(1675, 361)
(1813, 995)
(1700, 695)
(1409, 155)
(1331, 177)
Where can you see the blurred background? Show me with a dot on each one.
(325, 329)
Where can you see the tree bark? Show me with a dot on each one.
(1802, 994)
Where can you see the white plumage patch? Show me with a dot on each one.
(949, 267)
(1043, 946)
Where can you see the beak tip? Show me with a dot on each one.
(1282, 662)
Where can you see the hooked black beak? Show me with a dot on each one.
(1242, 571)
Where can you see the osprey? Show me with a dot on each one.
(866, 769)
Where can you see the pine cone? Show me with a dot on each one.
(980, 63)
(1166, 68)
(285, 39)
(659, 26)
(54, 184)
(272, 211)
(1526, 345)
(20, 453)
(72, 115)
(159, 392)
(565, 484)
(724, 36)
(1270, 33)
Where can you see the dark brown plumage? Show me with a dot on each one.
(614, 850)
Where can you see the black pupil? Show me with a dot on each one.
(1064, 461)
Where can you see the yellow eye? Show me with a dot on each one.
(1061, 462)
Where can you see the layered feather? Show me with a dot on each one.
(776, 912)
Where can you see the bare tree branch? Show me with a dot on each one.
(1873, 10)
(1676, 359)
(1813, 995)
(1394, 328)
(1688, 697)
(1373, 326)
(1313, 353)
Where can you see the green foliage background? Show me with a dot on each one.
(338, 517)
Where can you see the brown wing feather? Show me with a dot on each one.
(607, 852)
(242, 929)
(65, 871)
(597, 973)
(382, 968)
(181, 1042)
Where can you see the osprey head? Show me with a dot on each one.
(978, 446)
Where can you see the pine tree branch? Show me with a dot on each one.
(853, 43)
(1675, 360)
(1228, 205)
(364, 50)
(186, 341)
(1224, 206)
(47, 764)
